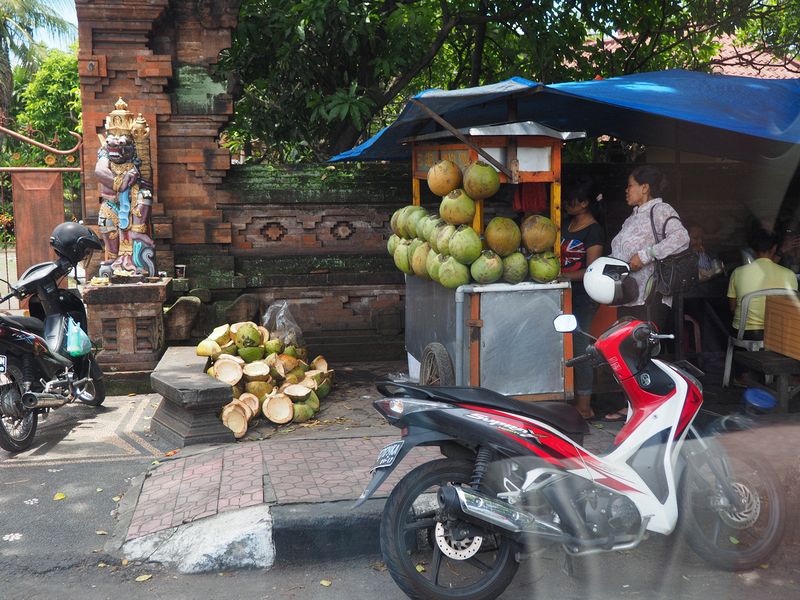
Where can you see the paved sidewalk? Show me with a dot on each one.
(278, 491)
(282, 490)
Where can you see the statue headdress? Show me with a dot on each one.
(120, 120)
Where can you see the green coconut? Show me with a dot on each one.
(432, 265)
(419, 260)
(259, 388)
(251, 354)
(273, 346)
(465, 245)
(515, 268)
(453, 274)
(544, 267)
(538, 233)
(481, 180)
(400, 222)
(487, 268)
(413, 219)
(248, 336)
(443, 239)
(401, 258)
(302, 412)
(444, 177)
(503, 236)
(393, 220)
(428, 227)
(229, 348)
(457, 208)
(392, 243)
(324, 388)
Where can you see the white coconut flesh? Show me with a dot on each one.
(228, 371)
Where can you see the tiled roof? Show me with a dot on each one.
(742, 61)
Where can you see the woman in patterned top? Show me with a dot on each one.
(636, 244)
(582, 240)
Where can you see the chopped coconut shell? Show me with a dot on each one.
(228, 371)
(279, 409)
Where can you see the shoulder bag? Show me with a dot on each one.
(676, 273)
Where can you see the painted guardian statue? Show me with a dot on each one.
(126, 189)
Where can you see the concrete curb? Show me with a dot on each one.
(325, 530)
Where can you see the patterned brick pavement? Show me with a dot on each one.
(287, 471)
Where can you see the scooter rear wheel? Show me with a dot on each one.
(94, 392)
(733, 538)
(426, 561)
(16, 431)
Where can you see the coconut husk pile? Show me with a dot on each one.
(267, 378)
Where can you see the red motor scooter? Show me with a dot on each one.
(516, 476)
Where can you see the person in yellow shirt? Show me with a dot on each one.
(761, 274)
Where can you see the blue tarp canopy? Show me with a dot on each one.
(735, 117)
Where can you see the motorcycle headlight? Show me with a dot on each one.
(395, 408)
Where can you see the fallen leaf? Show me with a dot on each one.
(733, 540)
(142, 578)
(124, 562)
(101, 565)
(155, 462)
(325, 583)
(172, 452)
(99, 490)
(132, 394)
(116, 498)
(60, 496)
(378, 566)
(420, 568)
(101, 532)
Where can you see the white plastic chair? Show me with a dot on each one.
(738, 341)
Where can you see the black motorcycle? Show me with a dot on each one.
(46, 359)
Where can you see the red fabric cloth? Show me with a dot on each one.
(530, 198)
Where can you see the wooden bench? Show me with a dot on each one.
(773, 366)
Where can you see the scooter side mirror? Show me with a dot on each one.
(565, 323)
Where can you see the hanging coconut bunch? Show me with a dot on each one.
(259, 368)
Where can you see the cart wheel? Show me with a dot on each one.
(436, 369)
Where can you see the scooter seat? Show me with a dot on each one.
(31, 324)
(560, 415)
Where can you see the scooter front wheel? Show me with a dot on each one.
(17, 426)
(740, 537)
(427, 560)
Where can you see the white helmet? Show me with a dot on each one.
(606, 281)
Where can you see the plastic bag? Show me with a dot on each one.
(281, 325)
(78, 343)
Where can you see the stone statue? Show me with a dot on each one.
(125, 175)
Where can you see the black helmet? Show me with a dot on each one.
(74, 241)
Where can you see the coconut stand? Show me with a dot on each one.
(498, 336)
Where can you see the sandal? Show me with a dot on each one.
(616, 417)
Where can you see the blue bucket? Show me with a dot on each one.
(759, 400)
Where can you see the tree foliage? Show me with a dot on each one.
(19, 21)
(45, 106)
(317, 75)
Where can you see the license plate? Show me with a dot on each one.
(3, 363)
(388, 454)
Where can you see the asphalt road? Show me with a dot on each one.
(88, 455)
(657, 571)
